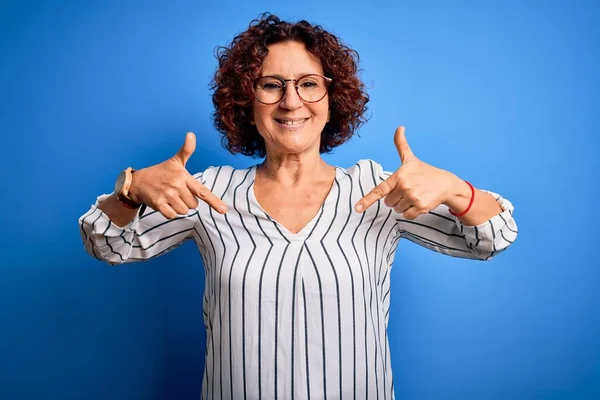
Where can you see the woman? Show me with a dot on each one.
(297, 253)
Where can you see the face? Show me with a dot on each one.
(291, 126)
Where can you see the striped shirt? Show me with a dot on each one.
(299, 315)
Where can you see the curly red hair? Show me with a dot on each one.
(240, 65)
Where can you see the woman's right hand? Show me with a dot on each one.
(169, 188)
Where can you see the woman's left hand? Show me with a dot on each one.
(415, 188)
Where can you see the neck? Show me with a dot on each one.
(293, 169)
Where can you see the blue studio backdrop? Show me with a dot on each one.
(504, 94)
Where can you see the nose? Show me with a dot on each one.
(291, 100)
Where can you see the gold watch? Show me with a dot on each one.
(122, 186)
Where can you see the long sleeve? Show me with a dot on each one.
(440, 231)
(143, 238)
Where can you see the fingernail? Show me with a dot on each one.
(359, 207)
(223, 209)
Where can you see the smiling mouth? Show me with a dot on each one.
(291, 122)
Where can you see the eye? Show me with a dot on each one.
(269, 84)
(308, 84)
(272, 86)
(312, 83)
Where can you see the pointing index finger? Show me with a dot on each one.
(202, 192)
(378, 193)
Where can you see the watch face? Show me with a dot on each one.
(119, 183)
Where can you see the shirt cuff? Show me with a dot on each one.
(106, 227)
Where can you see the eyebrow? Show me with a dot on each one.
(296, 77)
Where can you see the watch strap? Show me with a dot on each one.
(128, 203)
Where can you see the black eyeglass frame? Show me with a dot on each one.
(285, 81)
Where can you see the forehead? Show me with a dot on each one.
(290, 59)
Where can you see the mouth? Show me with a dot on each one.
(291, 122)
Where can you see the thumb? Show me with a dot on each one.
(186, 151)
(402, 146)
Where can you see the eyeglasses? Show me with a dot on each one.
(310, 88)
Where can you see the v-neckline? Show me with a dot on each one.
(306, 229)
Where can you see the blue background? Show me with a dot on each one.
(504, 94)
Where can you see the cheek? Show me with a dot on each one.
(324, 111)
(260, 117)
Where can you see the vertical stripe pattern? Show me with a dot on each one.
(294, 316)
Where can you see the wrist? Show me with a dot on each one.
(460, 194)
(123, 189)
(463, 199)
(458, 190)
(132, 194)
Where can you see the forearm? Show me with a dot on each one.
(116, 211)
(484, 206)
(137, 239)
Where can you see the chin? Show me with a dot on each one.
(293, 141)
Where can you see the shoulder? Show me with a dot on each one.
(213, 174)
(363, 176)
(366, 171)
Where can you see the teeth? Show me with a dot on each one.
(297, 122)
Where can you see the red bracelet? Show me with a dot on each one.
(470, 202)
